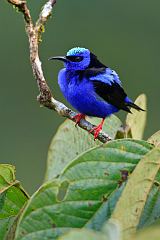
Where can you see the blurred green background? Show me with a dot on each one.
(124, 34)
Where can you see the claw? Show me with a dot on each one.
(78, 118)
(97, 129)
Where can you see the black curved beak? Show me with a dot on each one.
(61, 58)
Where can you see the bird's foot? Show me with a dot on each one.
(97, 129)
(78, 118)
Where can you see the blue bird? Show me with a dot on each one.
(91, 87)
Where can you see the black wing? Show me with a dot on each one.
(115, 95)
(112, 93)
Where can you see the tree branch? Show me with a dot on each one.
(45, 97)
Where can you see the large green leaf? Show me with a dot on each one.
(70, 141)
(136, 122)
(132, 201)
(80, 196)
(12, 199)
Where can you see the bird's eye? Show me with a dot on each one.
(75, 58)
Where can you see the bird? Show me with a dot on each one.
(91, 87)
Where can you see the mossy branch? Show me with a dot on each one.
(45, 97)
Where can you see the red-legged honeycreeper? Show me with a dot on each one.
(91, 87)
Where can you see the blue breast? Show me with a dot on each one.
(79, 92)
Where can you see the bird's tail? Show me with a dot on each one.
(133, 105)
(130, 104)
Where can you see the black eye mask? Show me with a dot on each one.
(74, 58)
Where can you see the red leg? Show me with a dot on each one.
(78, 117)
(97, 129)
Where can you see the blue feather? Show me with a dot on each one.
(81, 95)
(108, 77)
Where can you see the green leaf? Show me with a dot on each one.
(132, 201)
(12, 199)
(70, 141)
(84, 234)
(136, 122)
(7, 176)
(104, 212)
(81, 196)
(110, 231)
(155, 139)
(7, 172)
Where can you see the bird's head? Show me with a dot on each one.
(76, 59)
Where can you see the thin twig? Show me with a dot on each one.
(44, 15)
(45, 97)
(21, 5)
